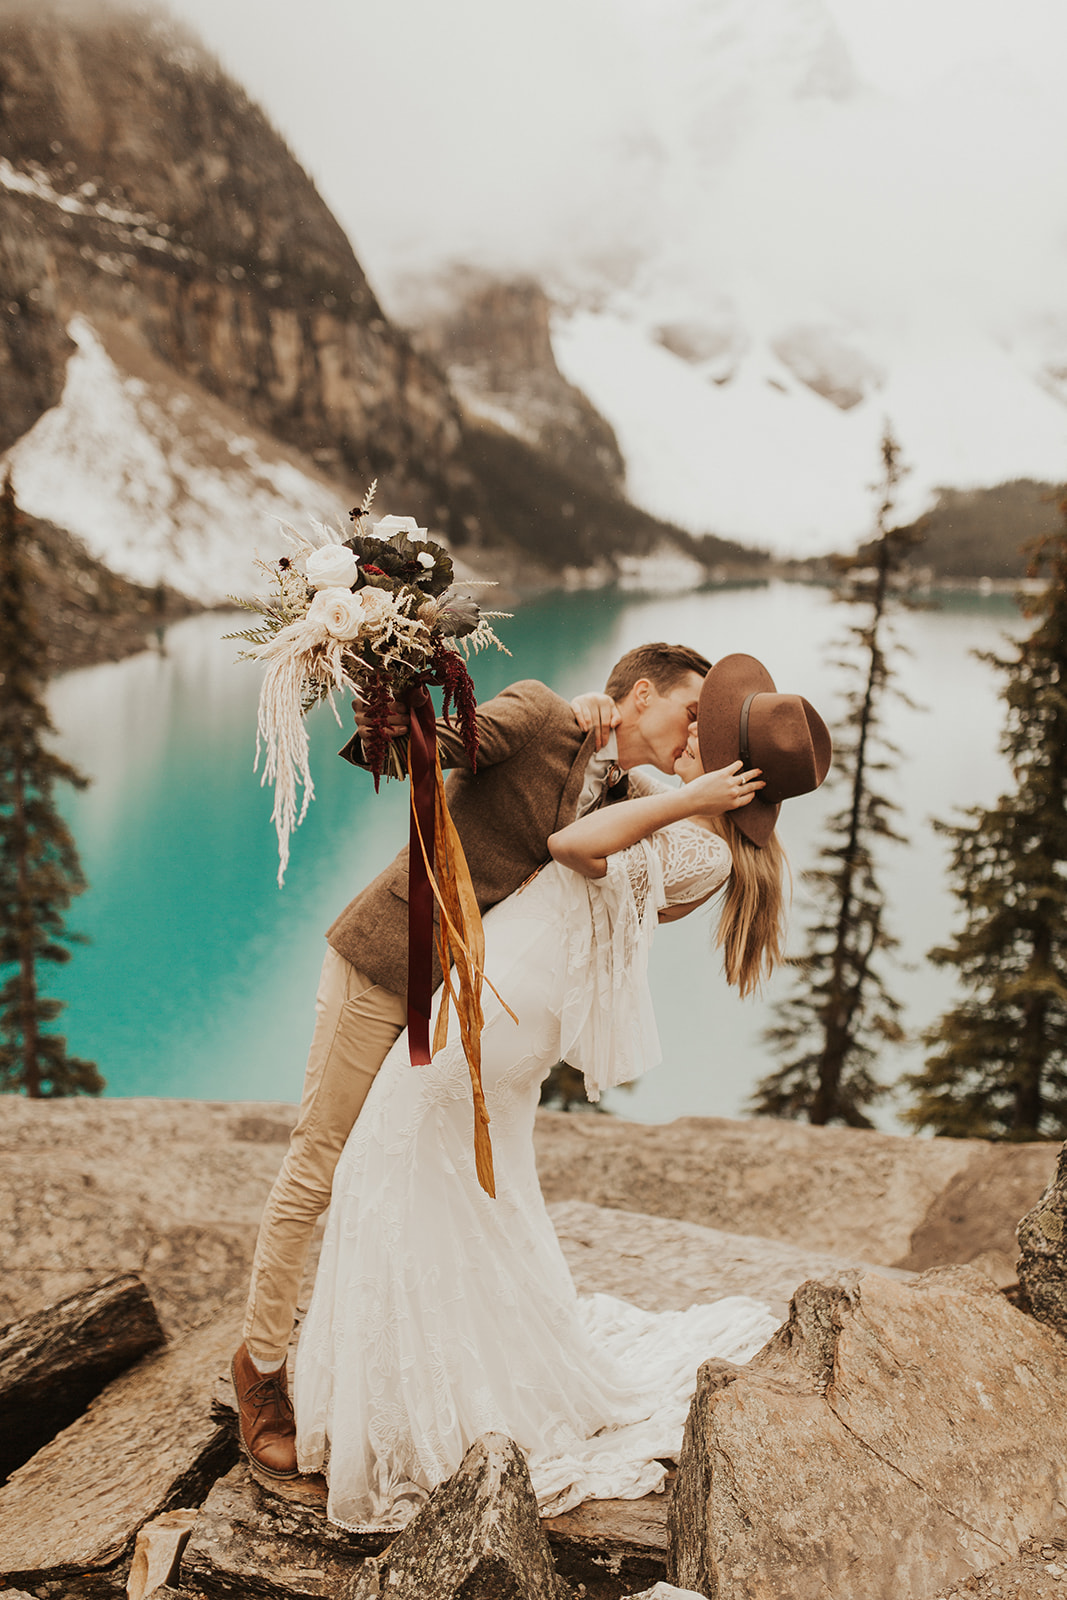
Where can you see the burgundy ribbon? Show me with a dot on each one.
(423, 746)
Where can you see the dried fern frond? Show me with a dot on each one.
(255, 636)
(483, 636)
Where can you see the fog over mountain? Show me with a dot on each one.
(767, 227)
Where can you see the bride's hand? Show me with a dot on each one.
(714, 793)
(596, 711)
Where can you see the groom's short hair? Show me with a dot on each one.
(662, 664)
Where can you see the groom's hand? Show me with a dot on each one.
(397, 722)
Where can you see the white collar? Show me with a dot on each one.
(601, 760)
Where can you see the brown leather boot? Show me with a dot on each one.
(265, 1424)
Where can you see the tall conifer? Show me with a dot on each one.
(998, 1068)
(39, 869)
(833, 1025)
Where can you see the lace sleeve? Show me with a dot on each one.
(695, 862)
(607, 1025)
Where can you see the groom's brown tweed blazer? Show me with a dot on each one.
(531, 765)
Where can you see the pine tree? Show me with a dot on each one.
(834, 1024)
(998, 1069)
(39, 869)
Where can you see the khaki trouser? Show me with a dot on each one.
(356, 1023)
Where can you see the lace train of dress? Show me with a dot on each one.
(439, 1314)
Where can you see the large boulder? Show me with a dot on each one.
(892, 1439)
(478, 1534)
(1043, 1262)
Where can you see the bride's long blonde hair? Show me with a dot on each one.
(752, 918)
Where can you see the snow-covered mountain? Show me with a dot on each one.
(756, 259)
(760, 259)
(821, 259)
(781, 448)
(190, 351)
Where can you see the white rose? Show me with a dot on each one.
(425, 559)
(332, 567)
(339, 611)
(390, 525)
(377, 603)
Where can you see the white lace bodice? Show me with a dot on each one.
(695, 862)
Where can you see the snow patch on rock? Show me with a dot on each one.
(161, 481)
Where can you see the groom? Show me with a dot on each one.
(537, 770)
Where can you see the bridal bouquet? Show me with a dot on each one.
(377, 614)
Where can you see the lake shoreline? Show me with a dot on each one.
(118, 636)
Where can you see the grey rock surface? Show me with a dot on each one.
(664, 1265)
(859, 1195)
(148, 1443)
(698, 1209)
(478, 1535)
(892, 1439)
(603, 1546)
(1038, 1572)
(172, 1190)
(1043, 1258)
(169, 1189)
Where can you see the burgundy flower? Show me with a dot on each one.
(451, 673)
(377, 693)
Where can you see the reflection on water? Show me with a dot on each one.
(200, 977)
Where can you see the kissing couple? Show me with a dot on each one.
(440, 1314)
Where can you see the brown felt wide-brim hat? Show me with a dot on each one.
(742, 717)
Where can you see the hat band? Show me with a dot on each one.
(746, 759)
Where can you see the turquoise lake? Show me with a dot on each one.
(200, 976)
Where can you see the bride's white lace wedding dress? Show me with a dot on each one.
(439, 1314)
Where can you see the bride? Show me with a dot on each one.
(439, 1314)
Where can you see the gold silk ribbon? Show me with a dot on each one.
(461, 945)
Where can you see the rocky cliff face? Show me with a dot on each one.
(493, 337)
(552, 477)
(141, 188)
